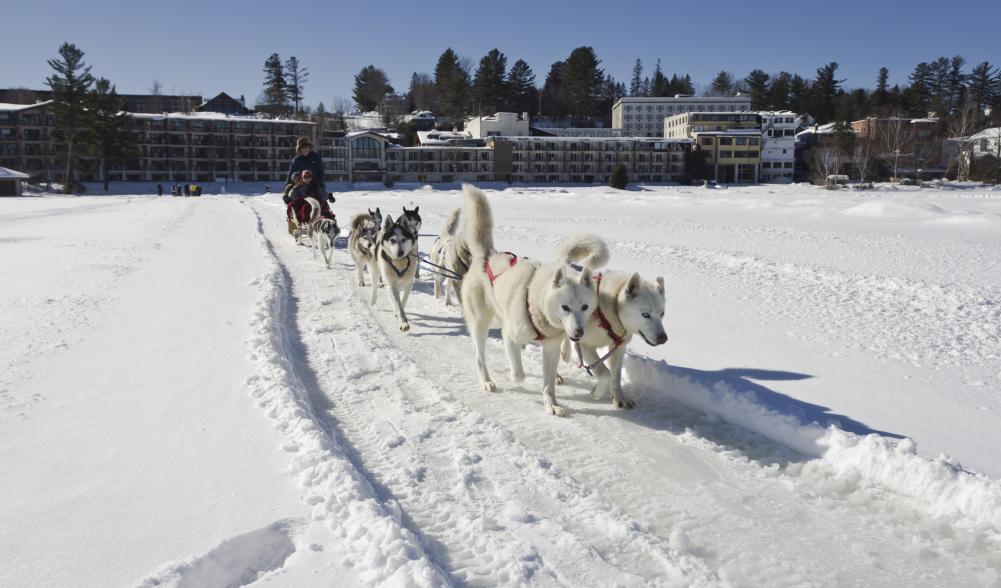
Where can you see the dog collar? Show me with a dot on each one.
(603, 321)
(490, 274)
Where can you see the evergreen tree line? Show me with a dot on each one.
(578, 90)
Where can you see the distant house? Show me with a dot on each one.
(10, 182)
(223, 103)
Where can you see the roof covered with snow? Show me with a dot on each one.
(214, 116)
(7, 107)
(8, 174)
(441, 137)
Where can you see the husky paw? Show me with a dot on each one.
(489, 387)
(598, 392)
(556, 410)
(623, 402)
(405, 326)
(559, 380)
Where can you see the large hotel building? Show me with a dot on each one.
(644, 117)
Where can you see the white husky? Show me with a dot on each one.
(452, 257)
(396, 258)
(627, 306)
(361, 245)
(531, 301)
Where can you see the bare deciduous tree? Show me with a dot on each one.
(827, 162)
(156, 88)
(863, 154)
(961, 126)
(896, 137)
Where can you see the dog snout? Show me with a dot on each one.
(662, 338)
(576, 334)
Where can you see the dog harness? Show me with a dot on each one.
(539, 336)
(399, 273)
(604, 323)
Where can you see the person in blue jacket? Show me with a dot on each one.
(307, 159)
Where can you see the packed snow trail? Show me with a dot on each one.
(476, 475)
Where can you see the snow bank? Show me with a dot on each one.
(942, 485)
(368, 533)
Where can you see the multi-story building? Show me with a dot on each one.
(728, 143)
(357, 156)
(500, 124)
(575, 132)
(200, 146)
(26, 139)
(587, 160)
(778, 145)
(440, 163)
(644, 117)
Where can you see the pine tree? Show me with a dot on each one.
(451, 80)
(659, 84)
(881, 96)
(688, 87)
(521, 87)
(421, 93)
(110, 140)
(757, 86)
(636, 83)
(956, 85)
(553, 102)
(984, 85)
(296, 75)
(620, 178)
(825, 91)
(275, 97)
(799, 94)
(582, 83)
(490, 92)
(778, 92)
(722, 84)
(371, 86)
(70, 84)
(919, 91)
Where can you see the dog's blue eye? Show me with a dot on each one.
(566, 308)
(646, 315)
(583, 307)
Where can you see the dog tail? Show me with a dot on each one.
(478, 232)
(589, 251)
(359, 221)
(452, 224)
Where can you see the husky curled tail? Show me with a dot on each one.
(587, 250)
(478, 233)
(452, 224)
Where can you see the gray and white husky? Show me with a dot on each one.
(449, 252)
(531, 301)
(376, 216)
(361, 246)
(324, 234)
(396, 258)
(412, 220)
(627, 306)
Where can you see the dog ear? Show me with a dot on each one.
(660, 285)
(417, 209)
(585, 278)
(559, 277)
(633, 286)
(388, 224)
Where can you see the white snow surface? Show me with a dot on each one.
(188, 398)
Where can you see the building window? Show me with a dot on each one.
(365, 148)
(726, 141)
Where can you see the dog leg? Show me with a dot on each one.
(618, 400)
(550, 360)
(395, 296)
(375, 283)
(599, 369)
(360, 270)
(407, 289)
(437, 288)
(478, 325)
(516, 370)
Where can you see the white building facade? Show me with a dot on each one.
(778, 145)
(501, 124)
(644, 117)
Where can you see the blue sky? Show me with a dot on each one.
(206, 47)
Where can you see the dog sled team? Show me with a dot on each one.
(567, 306)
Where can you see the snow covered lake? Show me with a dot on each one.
(189, 398)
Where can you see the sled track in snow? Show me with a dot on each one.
(566, 509)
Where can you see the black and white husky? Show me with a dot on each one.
(412, 220)
(324, 232)
(376, 216)
(396, 258)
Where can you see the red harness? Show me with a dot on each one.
(528, 307)
(602, 319)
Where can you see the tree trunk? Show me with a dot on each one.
(69, 158)
(104, 175)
